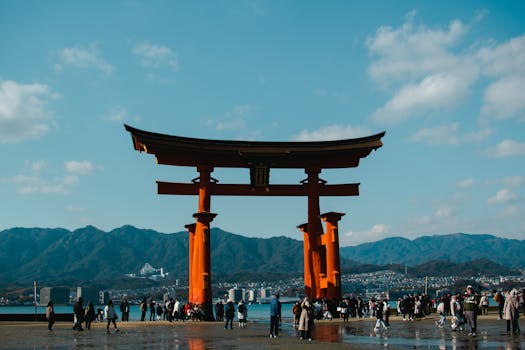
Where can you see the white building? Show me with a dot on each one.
(235, 294)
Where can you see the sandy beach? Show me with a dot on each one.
(355, 334)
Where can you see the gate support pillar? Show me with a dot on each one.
(333, 264)
(200, 265)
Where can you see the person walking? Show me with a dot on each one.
(111, 316)
(90, 314)
(229, 313)
(510, 311)
(471, 310)
(275, 316)
(379, 316)
(50, 315)
(441, 311)
(306, 320)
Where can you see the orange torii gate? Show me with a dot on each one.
(321, 250)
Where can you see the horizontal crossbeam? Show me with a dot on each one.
(217, 189)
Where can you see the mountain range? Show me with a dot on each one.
(60, 256)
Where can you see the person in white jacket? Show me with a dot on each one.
(110, 315)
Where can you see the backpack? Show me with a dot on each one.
(497, 297)
(241, 308)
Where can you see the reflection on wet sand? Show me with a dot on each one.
(416, 335)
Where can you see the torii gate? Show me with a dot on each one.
(321, 250)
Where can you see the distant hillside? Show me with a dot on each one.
(59, 256)
(458, 248)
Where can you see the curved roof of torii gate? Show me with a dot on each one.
(186, 151)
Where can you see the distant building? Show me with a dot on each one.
(59, 295)
(251, 296)
(103, 297)
(88, 294)
(266, 293)
(235, 295)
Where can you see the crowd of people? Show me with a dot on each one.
(465, 309)
(462, 308)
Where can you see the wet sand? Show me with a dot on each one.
(356, 334)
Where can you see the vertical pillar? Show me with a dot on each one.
(200, 292)
(201, 269)
(204, 188)
(333, 262)
(307, 260)
(315, 230)
(191, 260)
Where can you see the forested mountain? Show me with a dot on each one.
(59, 256)
(457, 248)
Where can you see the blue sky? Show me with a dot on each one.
(445, 80)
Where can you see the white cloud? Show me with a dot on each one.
(505, 98)
(30, 184)
(38, 165)
(507, 148)
(503, 196)
(157, 56)
(332, 132)
(429, 71)
(448, 135)
(509, 181)
(443, 213)
(465, 183)
(411, 52)
(234, 119)
(434, 92)
(375, 233)
(116, 114)
(79, 167)
(37, 182)
(478, 135)
(23, 111)
(442, 135)
(83, 57)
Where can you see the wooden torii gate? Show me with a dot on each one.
(321, 250)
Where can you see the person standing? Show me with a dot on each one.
(90, 314)
(177, 313)
(242, 313)
(152, 310)
(471, 310)
(78, 309)
(510, 311)
(124, 309)
(275, 316)
(296, 310)
(306, 320)
(111, 316)
(500, 300)
(50, 315)
(484, 304)
(229, 314)
(143, 309)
